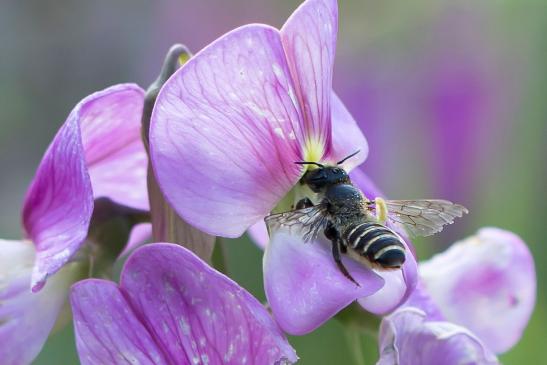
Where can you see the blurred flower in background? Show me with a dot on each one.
(403, 69)
(473, 300)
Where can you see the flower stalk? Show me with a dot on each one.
(167, 225)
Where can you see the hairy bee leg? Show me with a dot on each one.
(338, 260)
(381, 210)
(304, 203)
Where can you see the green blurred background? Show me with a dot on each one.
(452, 96)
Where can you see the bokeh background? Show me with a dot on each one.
(452, 96)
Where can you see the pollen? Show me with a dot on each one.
(314, 150)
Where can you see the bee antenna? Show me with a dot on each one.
(309, 163)
(347, 157)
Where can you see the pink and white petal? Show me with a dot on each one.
(110, 122)
(486, 283)
(309, 39)
(398, 287)
(225, 132)
(347, 137)
(26, 318)
(407, 338)
(198, 314)
(59, 202)
(304, 286)
(107, 330)
(258, 233)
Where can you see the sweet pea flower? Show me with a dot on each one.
(96, 154)
(172, 308)
(225, 133)
(473, 302)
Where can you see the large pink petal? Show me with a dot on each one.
(347, 137)
(194, 312)
(59, 202)
(486, 283)
(309, 38)
(304, 286)
(107, 330)
(225, 132)
(407, 338)
(110, 124)
(26, 318)
(99, 137)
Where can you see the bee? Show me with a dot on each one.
(356, 225)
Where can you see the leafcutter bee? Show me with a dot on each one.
(356, 225)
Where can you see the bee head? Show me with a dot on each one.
(323, 177)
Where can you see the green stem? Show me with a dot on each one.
(356, 346)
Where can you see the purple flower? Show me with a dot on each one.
(225, 132)
(172, 308)
(474, 300)
(96, 153)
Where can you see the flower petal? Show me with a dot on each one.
(225, 132)
(486, 283)
(304, 286)
(107, 330)
(309, 39)
(194, 312)
(258, 233)
(347, 137)
(110, 123)
(406, 338)
(140, 233)
(398, 287)
(59, 202)
(26, 318)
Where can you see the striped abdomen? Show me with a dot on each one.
(377, 243)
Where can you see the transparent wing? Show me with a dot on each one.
(423, 217)
(307, 221)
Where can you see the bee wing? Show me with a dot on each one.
(309, 221)
(423, 217)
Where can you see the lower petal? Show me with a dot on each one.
(198, 314)
(406, 338)
(304, 286)
(27, 318)
(399, 285)
(107, 330)
(486, 283)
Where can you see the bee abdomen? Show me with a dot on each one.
(377, 243)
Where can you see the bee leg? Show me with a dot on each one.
(304, 203)
(338, 260)
(334, 236)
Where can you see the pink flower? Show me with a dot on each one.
(225, 133)
(97, 153)
(474, 301)
(172, 308)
